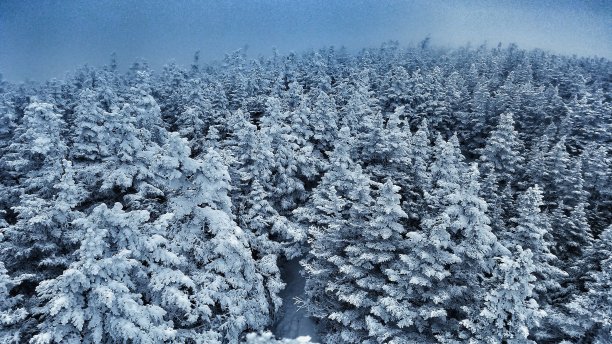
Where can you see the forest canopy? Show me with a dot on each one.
(431, 196)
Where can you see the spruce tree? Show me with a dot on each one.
(96, 299)
(532, 232)
(593, 309)
(229, 292)
(12, 314)
(501, 154)
(510, 312)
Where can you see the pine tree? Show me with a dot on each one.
(254, 158)
(337, 268)
(370, 255)
(346, 300)
(419, 293)
(41, 242)
(128, 162)
(170, 90)
(419, 174)
(434, 103)
(360, 103)
(396, 92)
(8, 125)
(293, 162)
(574, 237)
(477, 120)
(446, 170)
(387, 147)
(370, 143)
(534, 173)
(562, 177)
(469, 222)
(273, 233)
(146, 113)
(43, 236)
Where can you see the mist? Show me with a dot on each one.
(45, 39)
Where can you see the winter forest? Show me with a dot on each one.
(419, 195)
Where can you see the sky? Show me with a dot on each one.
(43, 39)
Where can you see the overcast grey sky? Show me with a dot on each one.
(40, 39)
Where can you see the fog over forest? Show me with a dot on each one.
(46, 38)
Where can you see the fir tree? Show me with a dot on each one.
(532, 231)
(593, 309)
(501, 153)
(221, 265)
(510, 312)
(96, 298)
(12, 315)
(90, 141)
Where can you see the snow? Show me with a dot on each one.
(294, 321)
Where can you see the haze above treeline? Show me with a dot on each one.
(45, 39)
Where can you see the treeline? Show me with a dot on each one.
(433, 195)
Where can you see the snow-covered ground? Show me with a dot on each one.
(294, 322)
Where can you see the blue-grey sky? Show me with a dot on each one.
(41, 39)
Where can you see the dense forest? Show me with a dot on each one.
(431, 196)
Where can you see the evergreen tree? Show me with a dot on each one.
(593, 309)
(90, 139)
(96, 298)
(419, 174)
(597, 172)
(35, 155)
(532, 232)
(12, 316)
(229, 292)
(424, 296)
(337, 208)
(41, 242)
(198, 115)
(396, 93)
(324, 122)
(501, 154)
(273, 233)
(293, 163)
(510, 311)
(534, 171)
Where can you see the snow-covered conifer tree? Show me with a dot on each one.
(532, 231)
(323, 121)
(593, 310)
(229, 292)
(596, 162)
(501, 154)
(510, 312)
(97, 299)
(12, 315)
(90, 139)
